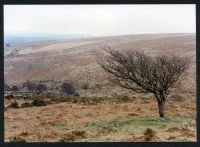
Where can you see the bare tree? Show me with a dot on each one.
(144, 74)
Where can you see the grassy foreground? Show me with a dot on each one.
(132, 129)
(134, 121)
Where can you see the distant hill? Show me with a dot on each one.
(75, 60)
(23, 38)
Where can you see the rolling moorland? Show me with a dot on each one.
(102, 111)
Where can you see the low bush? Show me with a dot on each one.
(6, 87)
(79, 133)
(72, 136)
(17, 139)
(41, 87)
(63, 99)
(14, 88)
(67, 137)
(149, 134)
(85, 86)
(76, 93)
(26, 105)
(68, 88)
(30, 85)
(14, 104)
(9, 97)
(38, 103)
(75, 101)
(106, 129)
(124, 98)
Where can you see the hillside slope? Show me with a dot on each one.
(56, 61)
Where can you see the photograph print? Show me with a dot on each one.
(100, 73)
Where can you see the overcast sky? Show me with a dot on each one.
(99, 20)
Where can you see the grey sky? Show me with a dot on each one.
(99, 20)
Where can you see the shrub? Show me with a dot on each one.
(65, 99)
(76, 93)
(149, 134)
(14, 104)
(67, 137)
(105, 129)
(31, 86)
(98, 86)
(79, 133)
(26, 105)
(124, 98)
(39, 103)
(41, 87)
(68, 88)
(17, 139)
(14, 88)
(6, 87)
(10, 97)
(85, 85)
(75, 101)
(72, 136)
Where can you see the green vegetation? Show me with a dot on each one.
(138, 124)
(123, 128)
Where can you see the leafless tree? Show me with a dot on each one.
(144, 74)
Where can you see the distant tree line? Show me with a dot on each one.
(67, 88)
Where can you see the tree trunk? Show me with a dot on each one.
(161, 104)
(161, 108)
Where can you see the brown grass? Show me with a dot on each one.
(61, 117)
(73, 60)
